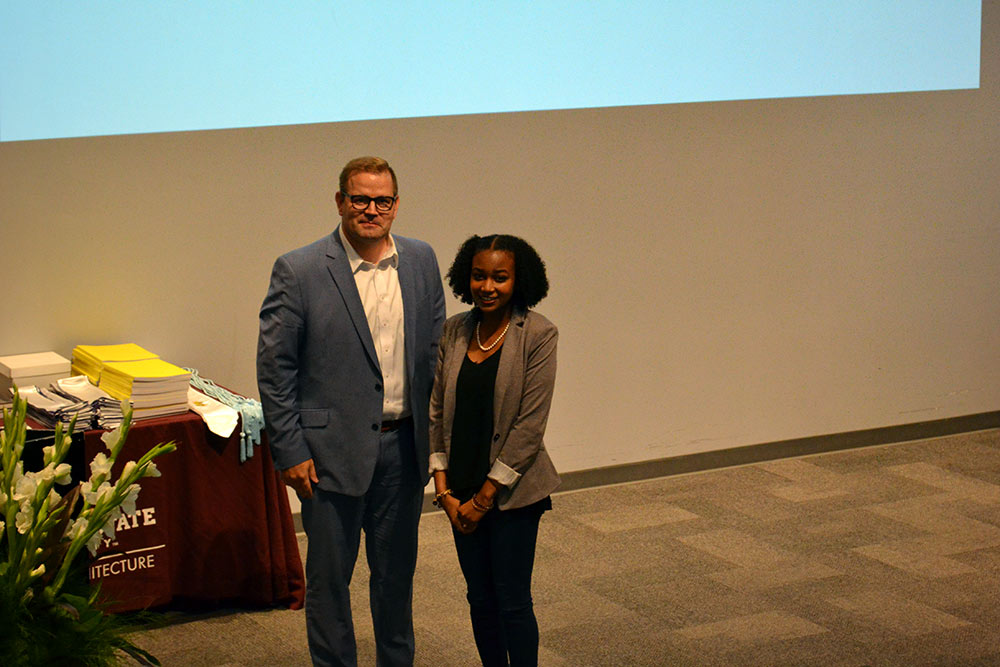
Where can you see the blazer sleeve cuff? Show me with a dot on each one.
(438, 461)
(504, 474)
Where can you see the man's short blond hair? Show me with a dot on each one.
(370, 165)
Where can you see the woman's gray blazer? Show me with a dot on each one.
(525, 379)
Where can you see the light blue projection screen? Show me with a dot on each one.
(77, 67)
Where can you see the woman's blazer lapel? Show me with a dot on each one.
(456, 356)
(510, 372)
(507, 391)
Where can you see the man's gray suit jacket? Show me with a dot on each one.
(317, 372)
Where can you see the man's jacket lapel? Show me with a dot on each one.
(406, 270)
(343, 279)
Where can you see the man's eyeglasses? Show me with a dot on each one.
(361, 202)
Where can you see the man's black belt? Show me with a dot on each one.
(395, 424)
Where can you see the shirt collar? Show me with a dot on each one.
(391, 256)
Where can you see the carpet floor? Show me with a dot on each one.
(886, 555)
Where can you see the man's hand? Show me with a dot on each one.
(301, 477)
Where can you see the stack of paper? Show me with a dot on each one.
(107, 410)
(89, 360)
(49, 408)
(25, 370)
(155, 387)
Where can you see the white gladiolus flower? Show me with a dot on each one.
(128, 505)
(105, 491)
(100, 466)
(111, 437)
(45, 533)
(78, 528)
(102, 492)
(109, 526)
(127, 470)
(25, 488)
(151, 470)
(115, 513)
(63, 473)
(25, 518)
(94, 543)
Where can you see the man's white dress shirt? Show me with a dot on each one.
(378, 287)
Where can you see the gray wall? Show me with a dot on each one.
(723, 274)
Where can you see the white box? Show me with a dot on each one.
(37, 368)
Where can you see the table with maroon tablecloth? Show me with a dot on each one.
(209, 531)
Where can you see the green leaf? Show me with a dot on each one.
(142, 656)
(78, 601)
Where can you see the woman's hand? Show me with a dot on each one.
(468, 517)
(471, 512)
(452, 507)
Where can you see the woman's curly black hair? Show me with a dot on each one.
(530, 283)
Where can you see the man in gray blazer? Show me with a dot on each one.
(345, 364)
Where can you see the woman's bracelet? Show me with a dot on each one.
(479, 506)
(438, 497)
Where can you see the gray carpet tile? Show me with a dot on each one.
(886, 555)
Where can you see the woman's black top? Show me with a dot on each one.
(472, 429)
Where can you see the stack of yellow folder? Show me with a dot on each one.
(155, 387)
(130, 372)
(89, 360)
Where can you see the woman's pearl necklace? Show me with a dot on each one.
(487, 348)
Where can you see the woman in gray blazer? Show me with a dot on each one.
(493, 387)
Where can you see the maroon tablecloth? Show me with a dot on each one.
(210, 530)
